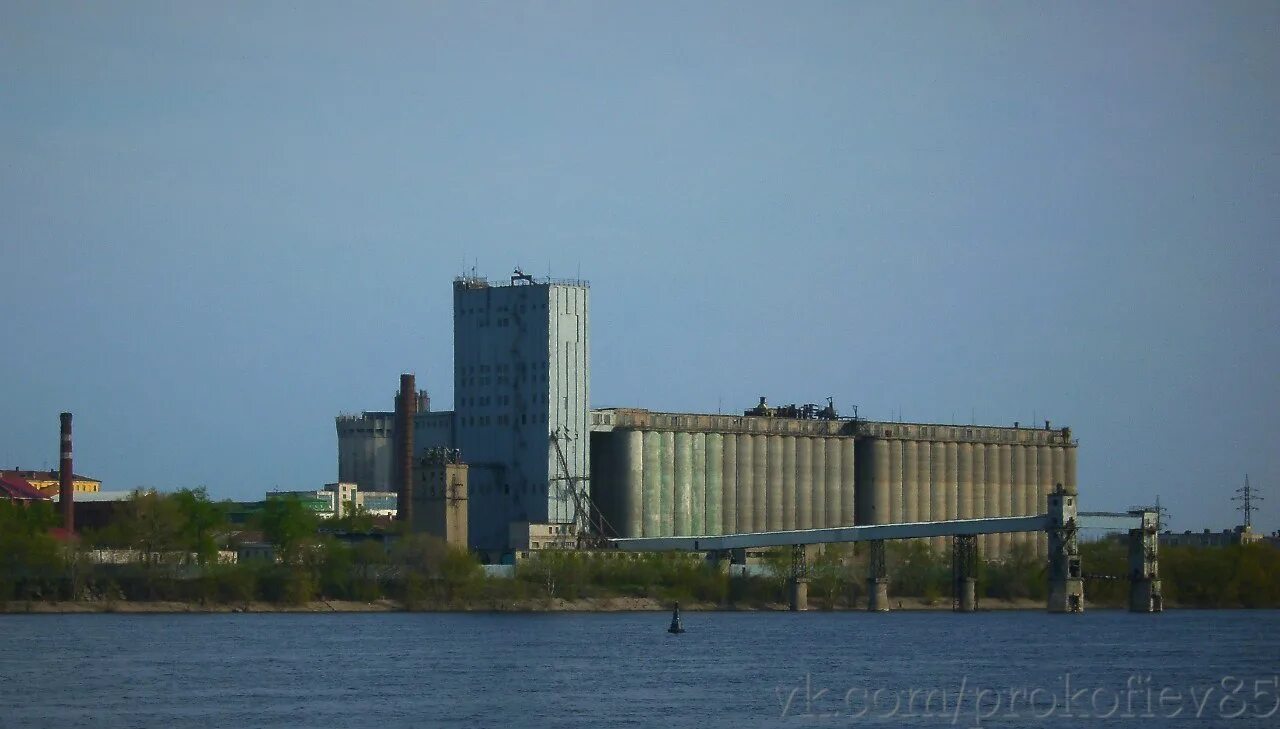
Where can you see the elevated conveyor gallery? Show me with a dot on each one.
(1061, 524)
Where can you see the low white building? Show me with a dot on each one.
(378, 503)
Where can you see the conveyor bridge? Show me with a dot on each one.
(1061, 523)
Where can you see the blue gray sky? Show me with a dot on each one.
(221, 224)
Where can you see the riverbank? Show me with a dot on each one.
(609, 604)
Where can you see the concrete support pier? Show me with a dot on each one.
(878, 595)
(798, 595)
(968, 595)
(1144, 566)
(964, 573)
(798, 583)
(877, 580)
(719, 560)
(1066, 581)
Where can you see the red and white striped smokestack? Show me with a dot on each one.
(406, 408)
(66, 476)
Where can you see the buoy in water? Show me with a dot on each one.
(676, 627)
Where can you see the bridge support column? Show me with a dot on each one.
(798, 584)
(1066, 583)
(719, 561)
(877, 579)
(1144, 566)
(964, 573)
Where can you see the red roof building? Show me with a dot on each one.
(15, 488)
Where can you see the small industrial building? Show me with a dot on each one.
(97, 509)
(378, 503)
(335, 499)
(19, 490)
(440, 496)
(1207, 538)
(321, 502)
(46, 482)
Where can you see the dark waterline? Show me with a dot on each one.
(602, 670)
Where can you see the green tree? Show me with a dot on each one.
(1110, 558)
(355, 520)
(834, 572)
(31, 560)
(202, 522)
(431, 568)
(918, 571)
(1020, 575)
(150, 523)
(289, 525)
(368, 560)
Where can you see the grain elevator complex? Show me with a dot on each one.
(541, 461)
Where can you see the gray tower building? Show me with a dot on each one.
(521, 394)
(365, 448)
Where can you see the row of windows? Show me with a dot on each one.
(502, 368)
(558, 544)
(485, 420)
(485, 401)
(501, 401)
(535, 306)
(501, 380)
(500, 322)
(506, 488)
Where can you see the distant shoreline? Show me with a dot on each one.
(591, 605)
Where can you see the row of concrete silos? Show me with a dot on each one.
(677, 483)
(934, 480)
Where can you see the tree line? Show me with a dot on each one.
(169, 547)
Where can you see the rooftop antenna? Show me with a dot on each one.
(1246, 496)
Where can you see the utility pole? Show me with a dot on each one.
(1246, 495)
(1162, 513)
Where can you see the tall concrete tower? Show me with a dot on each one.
(521, 376)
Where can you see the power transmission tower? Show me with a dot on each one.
(1246, 495)
(1162, 513)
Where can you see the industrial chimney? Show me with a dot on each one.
(406, 408)
(66, 476)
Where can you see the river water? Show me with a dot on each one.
(1017, 669)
